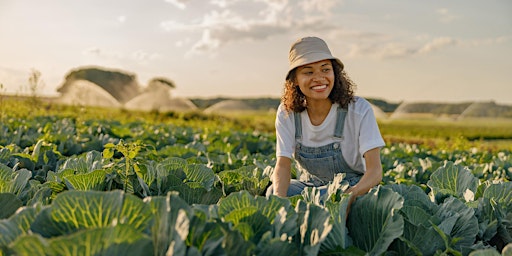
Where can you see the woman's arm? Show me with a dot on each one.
(372, 175)
(282, 176)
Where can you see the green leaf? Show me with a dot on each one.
(258, 212)
(242, 207)
(314, 227)
(465, 228)
(14, 181)
(417, 230)
(234, 243)
(374, 221)
(9, 203)
(17, 225)
(338, 237)
(414, 196)
(121, 239)
(32, 244)
(166, 226)
(205, 234)
(248, 178)
(89, 162)
(200, 174)
(108, 152)
(275, 246)
(452, 180)
(501, 193)
(195, 193)
(72, 211)
(94, 180)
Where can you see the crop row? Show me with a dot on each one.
(106, 187)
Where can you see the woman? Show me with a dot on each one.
(323, 126)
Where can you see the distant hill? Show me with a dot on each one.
(267, 103)
(387, 107)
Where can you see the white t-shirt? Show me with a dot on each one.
(360, 134)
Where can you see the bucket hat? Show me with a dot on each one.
(308, 50)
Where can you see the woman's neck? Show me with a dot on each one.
(318, 111)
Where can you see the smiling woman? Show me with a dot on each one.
(322, 126)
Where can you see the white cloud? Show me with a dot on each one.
(265, 19)
(181, 4)
(437, 44)
(139, 56)
(445, 16)
(205, 44)
(387, 50)
(223, 3)
(380, 51)
(322, 6)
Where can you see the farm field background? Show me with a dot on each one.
(81, 181)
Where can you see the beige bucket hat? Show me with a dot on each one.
(308, 50)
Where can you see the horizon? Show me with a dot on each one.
(407, 51)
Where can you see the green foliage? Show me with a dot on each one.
(187, 184)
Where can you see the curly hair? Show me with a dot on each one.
(342, 92)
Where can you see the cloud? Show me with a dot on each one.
(137, 56)
(385, 50)
(389, 50)
(445, 16)
(436, 44)
(223, 3)
(181, 4)
(265, 18)
(380, 51)
(206, 43)
(323, 6)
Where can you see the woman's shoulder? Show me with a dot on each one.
(281, 109)
(359, 105)
(282, 112)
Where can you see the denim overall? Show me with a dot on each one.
(318, 165)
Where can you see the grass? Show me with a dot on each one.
(492, 134)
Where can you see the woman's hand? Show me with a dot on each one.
(371, 178)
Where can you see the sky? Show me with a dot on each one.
(395, 50)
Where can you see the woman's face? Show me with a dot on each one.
(316, 80)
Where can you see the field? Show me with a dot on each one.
(92, 181)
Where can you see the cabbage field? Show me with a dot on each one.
(86, 181)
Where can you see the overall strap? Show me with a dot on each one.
(340, 122)
(298, 125)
